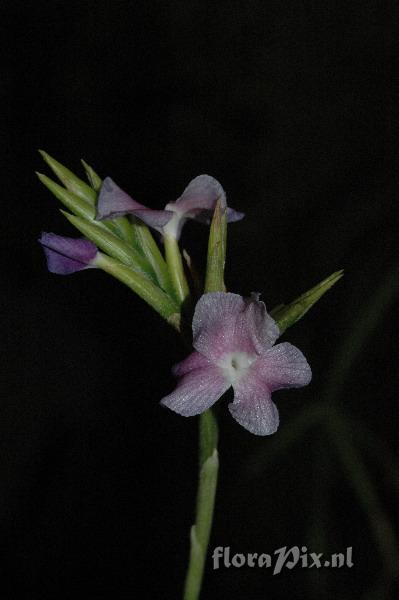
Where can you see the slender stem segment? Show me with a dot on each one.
(200, 532)
(176, 269)
(208, 428)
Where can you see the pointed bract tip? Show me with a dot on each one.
(45, 155)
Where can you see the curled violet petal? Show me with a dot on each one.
(202, 193)
(67, 255)
(234, 343)
(234, 215)
(199, 199)
(114, 202)
(197, 202)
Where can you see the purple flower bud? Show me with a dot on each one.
(66, 255)
(234, 341)
(197, 202)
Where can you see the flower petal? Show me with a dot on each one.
(252, 407)
(196, 391)
(67, 255)
(114, 202)
(225, 322)
(234, 215)
(283, 366)
(153, 218)
(214, 325)
(260, 326)
(194, 361)
(199, 199)
(201, 193)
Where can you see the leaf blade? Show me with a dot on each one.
(286, 315)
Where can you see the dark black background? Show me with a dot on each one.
(291, 106)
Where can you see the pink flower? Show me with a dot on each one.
(197, 202)
(233, 339)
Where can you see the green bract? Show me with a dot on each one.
(287, 315)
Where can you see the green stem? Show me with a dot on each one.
(176, 269)
(208, 429)
(200, 531)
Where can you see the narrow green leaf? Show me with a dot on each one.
(125, 227)
(287, 315)
(214, 279)
(111, 244)
(94, 179)
(176, 269)
(72, 201)
(153, 254)
(83, 208)
(71, 181)
(144, 288)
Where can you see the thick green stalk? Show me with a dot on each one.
(200, 532)
(208, 429)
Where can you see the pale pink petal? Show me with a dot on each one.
(283, 366)
(225, 322)
(214, 325)
(196, 391)
(195, 360)
(252, 407)
(259, 325)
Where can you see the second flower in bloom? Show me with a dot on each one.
(234, 346)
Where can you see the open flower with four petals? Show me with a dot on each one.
(234, 347)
